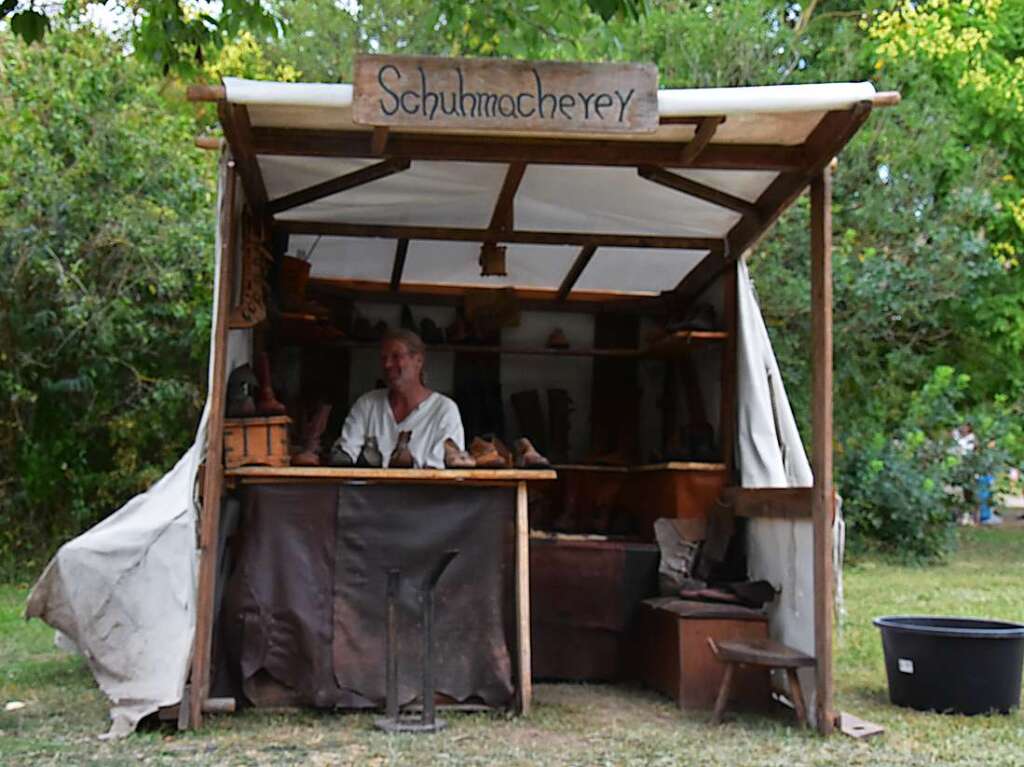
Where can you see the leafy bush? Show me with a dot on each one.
(903, 488)
(106, 229)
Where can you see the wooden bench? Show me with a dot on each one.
(763, 653)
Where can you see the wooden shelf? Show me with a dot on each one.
(663, 347)
(667, 466)
(333, 474)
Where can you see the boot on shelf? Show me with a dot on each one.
(559, 411)
(406, 321)
(242, 385)
(266, 402)
(457, 458)
(430, 332)
(527, 457)
(369, 456)
(313, 430)
(530, 417)
(401, 456)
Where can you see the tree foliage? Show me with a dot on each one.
(106, 223)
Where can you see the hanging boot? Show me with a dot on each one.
(559, 411)
(266, 402)
(313, 430)
(369, 456)
(401, 456)
(457, 458)
(530, 417)
(527, 457)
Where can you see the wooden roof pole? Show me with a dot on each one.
(824, 143)
(458, 234)
(401, 250)
(696, 189)
(575, 271)
(238, 132)
(213, 479)
(823, 501)
(339, 184)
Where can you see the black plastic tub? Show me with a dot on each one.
(953, 665)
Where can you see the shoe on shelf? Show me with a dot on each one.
(527, 457)
(503, 451)
(369, 456)
(700, 317)
(485, 454)
(401, 456)
(557, 339)
(457, 458)
(339, 457)
(430, 332)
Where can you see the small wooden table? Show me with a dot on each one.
(765, 653)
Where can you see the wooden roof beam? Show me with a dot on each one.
(576, 270)
(396, 271)
(546, 299)
(701, 138)
(457, 234)
(544, 151)
(696, 189)
(339, 184)
(238, 131)
(504, 209)
(832, 133)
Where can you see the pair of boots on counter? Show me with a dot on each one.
(489, 452)
(370, 456)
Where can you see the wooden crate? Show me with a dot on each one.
(259, 441)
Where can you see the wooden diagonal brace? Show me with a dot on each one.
(339, 184)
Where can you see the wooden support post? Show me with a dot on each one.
(525, 685)
(213, 479)
(727, 411)
(821, 425)
(401, 250)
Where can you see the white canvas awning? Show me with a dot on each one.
(581, 198)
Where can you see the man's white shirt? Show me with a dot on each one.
(433, 421)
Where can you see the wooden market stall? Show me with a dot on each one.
(571, 194)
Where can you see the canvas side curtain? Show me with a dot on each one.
(124, 591)
(771, 454)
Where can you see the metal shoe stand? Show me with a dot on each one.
(427, 722)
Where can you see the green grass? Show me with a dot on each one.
(571, 724)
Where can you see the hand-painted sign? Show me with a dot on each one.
(499, 94)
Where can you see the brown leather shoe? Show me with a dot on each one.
(485, 454)
(266, 402)
(503, 451)
(369, 456)
(455, 457)
(401, 456)
(527, 457)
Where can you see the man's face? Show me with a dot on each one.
(401, 367)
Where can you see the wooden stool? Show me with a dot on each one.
(765, 653)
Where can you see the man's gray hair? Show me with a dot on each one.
(410, 340)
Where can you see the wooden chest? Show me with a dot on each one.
(261, 441)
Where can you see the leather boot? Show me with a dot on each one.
(369, 456)
(527, 457)
(457, 458)
(242, 385)
(312, 431)
(530, 417)
(559, 410)
(485, 454)
(401, 456)
(406, 321)
(266, 402)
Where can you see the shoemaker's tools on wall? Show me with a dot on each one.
(393, 721)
